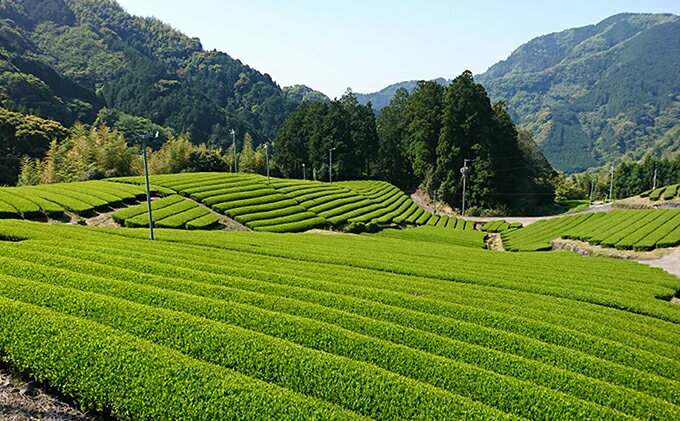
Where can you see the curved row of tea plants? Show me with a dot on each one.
(326, 327)
(169, 212)
(500, 226)
(663, 193)
(52, 200)
(284, 205)
(623, 229)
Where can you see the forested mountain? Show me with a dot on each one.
(66, 60)
(381, 99)
(592, 95)
(595, 94)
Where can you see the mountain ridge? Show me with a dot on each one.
(67, 60)
(595, 94)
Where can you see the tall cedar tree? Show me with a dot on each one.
(467, 132)
(423, 111)
(392, 162)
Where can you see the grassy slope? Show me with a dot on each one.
(335, 326)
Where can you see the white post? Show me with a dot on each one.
(266, 154)
(330, 165)
(611, 182)
(233, 141)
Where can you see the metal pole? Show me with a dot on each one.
(592, 189)
(611, 182)
(148, 190)
(233, 141)
(654, 182)
(304, 172)
(435, 202)
(266, 154)
(330, 165)
(464, 172)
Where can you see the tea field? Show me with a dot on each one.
(286, 205)
(638, 230)
(204, 325)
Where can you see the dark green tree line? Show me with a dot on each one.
(316, 127)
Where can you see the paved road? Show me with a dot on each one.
(670, 263)
(525, 220)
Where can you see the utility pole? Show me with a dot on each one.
(611, 181)
(304, 171)
(592, 189)
(146, 182)
(435, 202)
(266, 154)
(233, 141)
(654, 182)
(330, 164)
(464, 171)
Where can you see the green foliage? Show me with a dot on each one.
(356, 228)
(76, 57)
(630, 179)
(24, 136)
(302, 93)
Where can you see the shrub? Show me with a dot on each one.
(356, 228)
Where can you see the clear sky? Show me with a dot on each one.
(330, 45)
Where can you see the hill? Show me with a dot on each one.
(66, 60)
(381, 99)
(591, 95)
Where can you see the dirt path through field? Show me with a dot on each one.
(21, 401)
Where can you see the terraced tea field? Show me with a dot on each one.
(53, 200)
(663, 193)
(623, 229)
(285, 205)
(246, 325)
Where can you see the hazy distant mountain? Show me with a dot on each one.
(381, 98)
(595, 94)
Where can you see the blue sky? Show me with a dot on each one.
(367, 45)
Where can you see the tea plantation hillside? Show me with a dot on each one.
(638, 230)
(287, 205)
(309, 326)
(663, 193)
(53, 200)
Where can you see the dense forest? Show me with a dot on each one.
(422, 138)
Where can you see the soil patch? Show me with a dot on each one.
(22, 400)
(102, 220)
(326, 232)
(494, 241)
